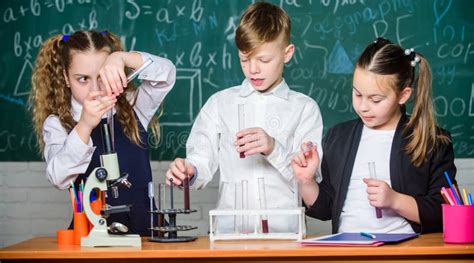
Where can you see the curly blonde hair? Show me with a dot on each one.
(51, 96)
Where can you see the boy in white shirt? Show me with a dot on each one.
(277, 121)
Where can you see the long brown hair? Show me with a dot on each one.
(385, 58)
(51, 96)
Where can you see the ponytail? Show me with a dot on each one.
(424, 137)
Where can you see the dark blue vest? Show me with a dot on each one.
(134, 160)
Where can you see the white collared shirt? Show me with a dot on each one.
(288, 116)
(67, 156)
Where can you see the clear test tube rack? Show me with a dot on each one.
(169, 233)
(256, 234)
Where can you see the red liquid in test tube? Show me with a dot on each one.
(265, 226)
(263, 203)
(241, 111)
(186, 193)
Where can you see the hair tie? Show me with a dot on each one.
(104, 33)
(65, 38)
(413, 57)
(379, 40)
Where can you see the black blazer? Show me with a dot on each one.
(423, 183)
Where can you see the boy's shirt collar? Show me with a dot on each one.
(281, 90)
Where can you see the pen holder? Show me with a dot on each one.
(81, 227)
(65, 237)
(458, 223)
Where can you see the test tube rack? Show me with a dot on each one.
(169, 233)
(256, 234)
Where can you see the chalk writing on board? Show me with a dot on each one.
(198, 37)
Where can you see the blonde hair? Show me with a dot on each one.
(262, 23)
(385, 58)
(51, 96)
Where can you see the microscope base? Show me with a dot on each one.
(108, 240)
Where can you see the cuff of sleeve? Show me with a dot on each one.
(158, 71)
(277, 158)
(430, 216)
(319, 208)
(79, 150)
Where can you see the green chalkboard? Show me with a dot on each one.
(198, 36)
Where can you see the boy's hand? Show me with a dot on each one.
(94, 106)
(112, 74)
(305, 163)
(379, 193)
(178, 170)
(254, 140)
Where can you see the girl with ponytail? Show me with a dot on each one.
(77, 80)
(410, 152)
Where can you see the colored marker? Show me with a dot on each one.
(446, 196)
(458, 193)
(452, 188)
(369, 235)
(464, 194)
(469, 198)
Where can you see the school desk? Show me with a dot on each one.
(426, 248)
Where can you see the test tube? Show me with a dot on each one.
(263, 203)
(161, 206)
(171, 194)
(106, 138)
(221, 205)
(237, 201)
(110, 114)
(241, 110)
(151, 195)
(373, 175)
(186, 192)
(245, 205)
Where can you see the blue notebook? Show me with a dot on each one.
(356, 239)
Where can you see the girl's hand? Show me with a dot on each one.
(112, 74)
(380, 194)
(254, 140)
(94, 106)
(306, 163)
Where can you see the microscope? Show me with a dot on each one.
(104, 177)
(108, 175)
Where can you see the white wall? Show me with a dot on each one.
(30, 206)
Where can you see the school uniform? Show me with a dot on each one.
(288, 116)
(340, 147)
(69, 159)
